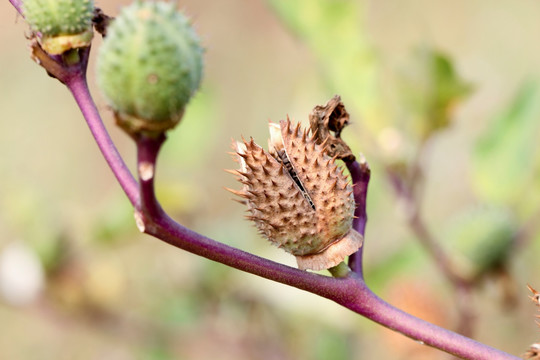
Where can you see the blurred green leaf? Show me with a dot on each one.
(114, 222)
(184, 309)
(334, 31)
(408, 258)
(480, 239)
(506, 156)
(431, 87)
(331, 345)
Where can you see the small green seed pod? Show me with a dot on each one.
(62, 24)
(480, 240)
(149, 66)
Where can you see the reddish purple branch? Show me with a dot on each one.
(350, 291)
(360, 175)
(17, 4)
(79, 88)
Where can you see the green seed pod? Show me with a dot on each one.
(298, 197)
(149, 66)
(62, 24)
(481, 239)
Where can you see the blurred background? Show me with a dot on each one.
(445, 105)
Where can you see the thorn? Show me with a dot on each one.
(324, 143)
(297, 129)
(245, 181)
(238, 193)
(304, 134)
(267, 162)
(243, 202)
(232, 171)
(253, 217)
(327, 164)
(252, 193)
(270, 225)
(253, 168)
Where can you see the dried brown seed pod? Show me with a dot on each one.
(298, 197)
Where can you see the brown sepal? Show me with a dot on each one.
(326, 123)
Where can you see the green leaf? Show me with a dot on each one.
(431, 88)
(334, 31)
(506, 156)
(480, 239)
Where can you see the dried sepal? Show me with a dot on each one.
(297, 196)
(326, 123)
(533, 353)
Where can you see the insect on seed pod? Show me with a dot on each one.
(298, 197)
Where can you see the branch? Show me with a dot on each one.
(350, 291)
(17, 4)
(79, 88)
(360, 175)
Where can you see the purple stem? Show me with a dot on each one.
(350, 291)
(74, 77)
(360, 175)
(17, 4)
(79, 88)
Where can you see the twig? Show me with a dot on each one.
(360, 175)
(79, 88)
(410, 191)
(17, 4)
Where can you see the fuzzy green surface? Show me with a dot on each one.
(150, 63)
(59, 17)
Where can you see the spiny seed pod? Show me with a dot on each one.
(149, 66)
(298, 197)
(62, 24)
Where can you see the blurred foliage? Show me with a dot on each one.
(480, 240)
(333, 30)
(431, 89)
(507, 156)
